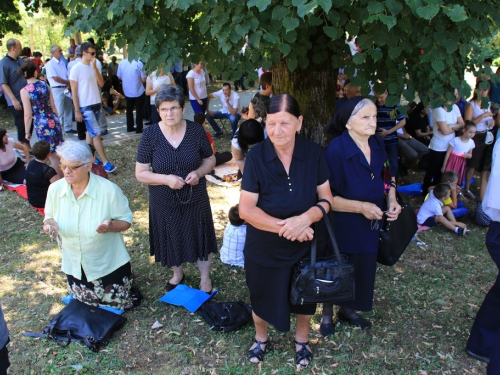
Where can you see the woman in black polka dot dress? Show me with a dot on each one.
(173, 158)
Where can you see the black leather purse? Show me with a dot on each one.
(395, 236)
(323, 280)
(80, 322)
(225, 316)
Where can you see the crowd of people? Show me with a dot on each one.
(285, 177)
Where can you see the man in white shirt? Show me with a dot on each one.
(133, 79)
(484, 339)
(85, 79)
(57, 74)
(230, 107)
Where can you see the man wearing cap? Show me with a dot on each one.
(57, 74)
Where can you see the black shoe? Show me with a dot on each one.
(130, 130)
(139, 131)
(258, 352)
(71, 132)
(358, 322)
(477, 356)
(170, 286)
(327, 329)
(303, 354)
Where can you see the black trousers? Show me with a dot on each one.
(138, 104)
(4, 359)
(433, 174)
(19, 122)
(222, 157)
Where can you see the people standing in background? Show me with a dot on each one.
(57, 74)
(12, 83)
(133, 78)
(71, 49)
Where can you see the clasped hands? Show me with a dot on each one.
(176, 182)
(51, 228)
(296, 228)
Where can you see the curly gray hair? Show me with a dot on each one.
(170, 94)
(75, 151)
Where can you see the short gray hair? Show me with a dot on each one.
(54, 47)
(11, 43)
(363, 103)
(170, 94)
(75, 151)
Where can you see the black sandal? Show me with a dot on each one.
(302, 354)
(258, 352)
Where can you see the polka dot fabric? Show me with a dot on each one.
(181, 227)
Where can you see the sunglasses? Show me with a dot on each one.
(63, 167)
(92, 53)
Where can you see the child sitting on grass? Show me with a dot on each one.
(105, 107)
(434, 212)
(233, 241)
(220, 157)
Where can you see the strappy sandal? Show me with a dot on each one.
(303, 354)
(258, 352)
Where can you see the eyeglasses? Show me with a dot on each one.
(171, 109)
(58, 50)
(92, 53)
(72, 168)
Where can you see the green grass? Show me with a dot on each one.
(424, 306)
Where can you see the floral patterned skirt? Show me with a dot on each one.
(113, 290)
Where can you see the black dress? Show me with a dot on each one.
(181, 228)
(269, 258)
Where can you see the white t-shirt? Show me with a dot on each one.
(131, 74)
(486, 122)
(157, 82)
(88, 89)
(491, 203)
(200, 84)
(8, 158)
(439, 141)
(56, 68)
(461, 147)
(234, 100)
(431, 207)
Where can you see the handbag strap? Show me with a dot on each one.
(332, 238)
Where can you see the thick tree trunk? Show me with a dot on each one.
(314, 89)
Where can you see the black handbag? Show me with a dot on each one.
(226, 316)
(395, 236)
(80, 322)
(323, 280)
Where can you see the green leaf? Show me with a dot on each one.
(333, 32)
(393, 6)
(290, 37)
(314, 21)
(326, 4)
(364, 41)
(456, 13)
(235, 37)
(437, 66)
(352, 29)
(284, 49)
(120, 42)
(280, 12)
(110, 15)
(394, 52)
(271, 37)
(290, 23)
(174, 22)
(359, 58)
(392, 87)
(241, 30)
(292, 64)
(451, 45)
(375, 7)
(375, 54)
(428, 12)
(389, 21)
(304, 10)
(262, 4)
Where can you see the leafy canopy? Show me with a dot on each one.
(408, 46)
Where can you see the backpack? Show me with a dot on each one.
(225, 316)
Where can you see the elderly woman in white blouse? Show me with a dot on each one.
(86, 213)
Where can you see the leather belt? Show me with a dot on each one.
(58, 87)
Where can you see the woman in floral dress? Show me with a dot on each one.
(38, 105)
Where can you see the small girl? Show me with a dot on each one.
(233, 241)
(459, 149)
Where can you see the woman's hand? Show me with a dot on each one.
(394, 210)
(104, 227)
(175, 182)
(51, 228)
(28, 136)
(292, 228)
(306, 235)
(200, 102)
(372, 211)
(192, 178)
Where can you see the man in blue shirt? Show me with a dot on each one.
(389, 120)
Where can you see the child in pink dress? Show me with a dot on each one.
(459, 149)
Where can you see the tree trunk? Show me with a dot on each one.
(314, 88)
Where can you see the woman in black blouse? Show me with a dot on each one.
(286, 177)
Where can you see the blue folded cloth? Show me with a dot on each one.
(412, 189)
(107, 308)
(188, 297)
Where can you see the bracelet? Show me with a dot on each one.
(326, 201)
(393, 184)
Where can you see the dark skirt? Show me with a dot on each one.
(16, 173)
(112, 290)
(4, 359)
(270, 294)
(477, 160)
(365, 266)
